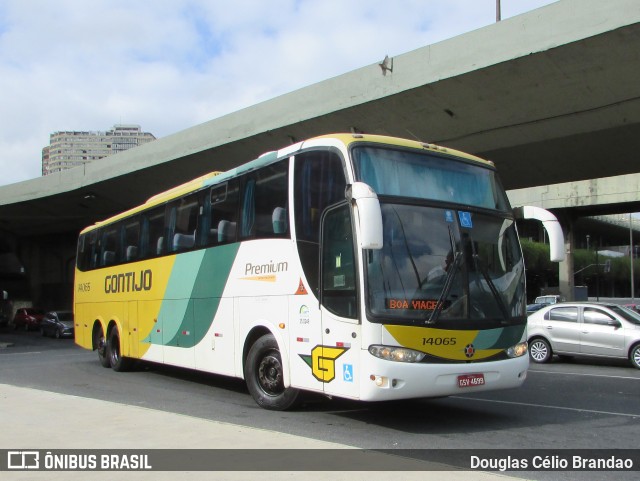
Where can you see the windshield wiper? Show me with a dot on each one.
(406, 246)
(479, 265)
(448, 281)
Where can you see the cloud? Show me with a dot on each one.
(171, 64)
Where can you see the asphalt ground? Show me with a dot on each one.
(83, 423)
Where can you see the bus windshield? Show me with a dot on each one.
(425, 175)
(443, 265)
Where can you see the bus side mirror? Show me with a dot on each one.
(550, 224)
(369, 216)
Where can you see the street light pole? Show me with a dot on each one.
(631, 255)
(498, 13)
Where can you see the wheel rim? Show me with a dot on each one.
(270, 375)
(636, 357)
(539, 351)
(101, 345)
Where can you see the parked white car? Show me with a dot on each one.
(550, 299)
(584, 329)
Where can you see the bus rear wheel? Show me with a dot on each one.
(264, 375)
(117, 361)
(100, 344)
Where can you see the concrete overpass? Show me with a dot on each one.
(552, 97)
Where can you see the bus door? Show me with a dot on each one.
(337, 364)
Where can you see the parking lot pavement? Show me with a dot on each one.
(83, 423)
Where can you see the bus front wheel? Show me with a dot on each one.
(263, 373)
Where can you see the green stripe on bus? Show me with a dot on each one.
(201, 293)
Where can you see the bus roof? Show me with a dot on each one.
(270, 157)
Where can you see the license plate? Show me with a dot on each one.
(468, 380)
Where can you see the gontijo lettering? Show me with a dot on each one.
(128, 282)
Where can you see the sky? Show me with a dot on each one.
(168, 65)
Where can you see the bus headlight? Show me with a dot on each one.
(395, 353)
(518, 350)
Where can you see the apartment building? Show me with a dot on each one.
(68, 149)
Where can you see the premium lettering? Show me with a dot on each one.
(128, 282)
(260, 269)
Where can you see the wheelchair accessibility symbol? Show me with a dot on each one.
(347, 374)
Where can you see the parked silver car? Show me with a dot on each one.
(584, 329)
(57, 324)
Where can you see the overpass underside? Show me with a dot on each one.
(552, 97)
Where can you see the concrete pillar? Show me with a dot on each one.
(565, 268)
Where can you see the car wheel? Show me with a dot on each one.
(634, 356)
(264, 375)
(43, 332)
(100, 344)
(540, 350)
(117, 361)
(58, 334)
(26, 328)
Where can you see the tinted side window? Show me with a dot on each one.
(184, 214)
(319, 181)
(339, 293)
(154, 238)
(109, 253)
(223, 220)
(264, 203)
(131, 239)
(591, 315)
(86, 258)
(566, 314)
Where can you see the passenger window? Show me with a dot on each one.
(109, 254)
(155, 237)
(87, 244)
(224, 213)
(596, 316)
(131, 239)
(319, 181)
(565, 314)
(186, 223)
(264, 203)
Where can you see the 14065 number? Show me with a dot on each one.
(438, 341)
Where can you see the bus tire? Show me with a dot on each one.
(264, 375)
(100, 344)
(540, 350)
(117, 361)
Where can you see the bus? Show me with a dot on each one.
(359, 266)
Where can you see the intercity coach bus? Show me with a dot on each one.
(360, 266)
